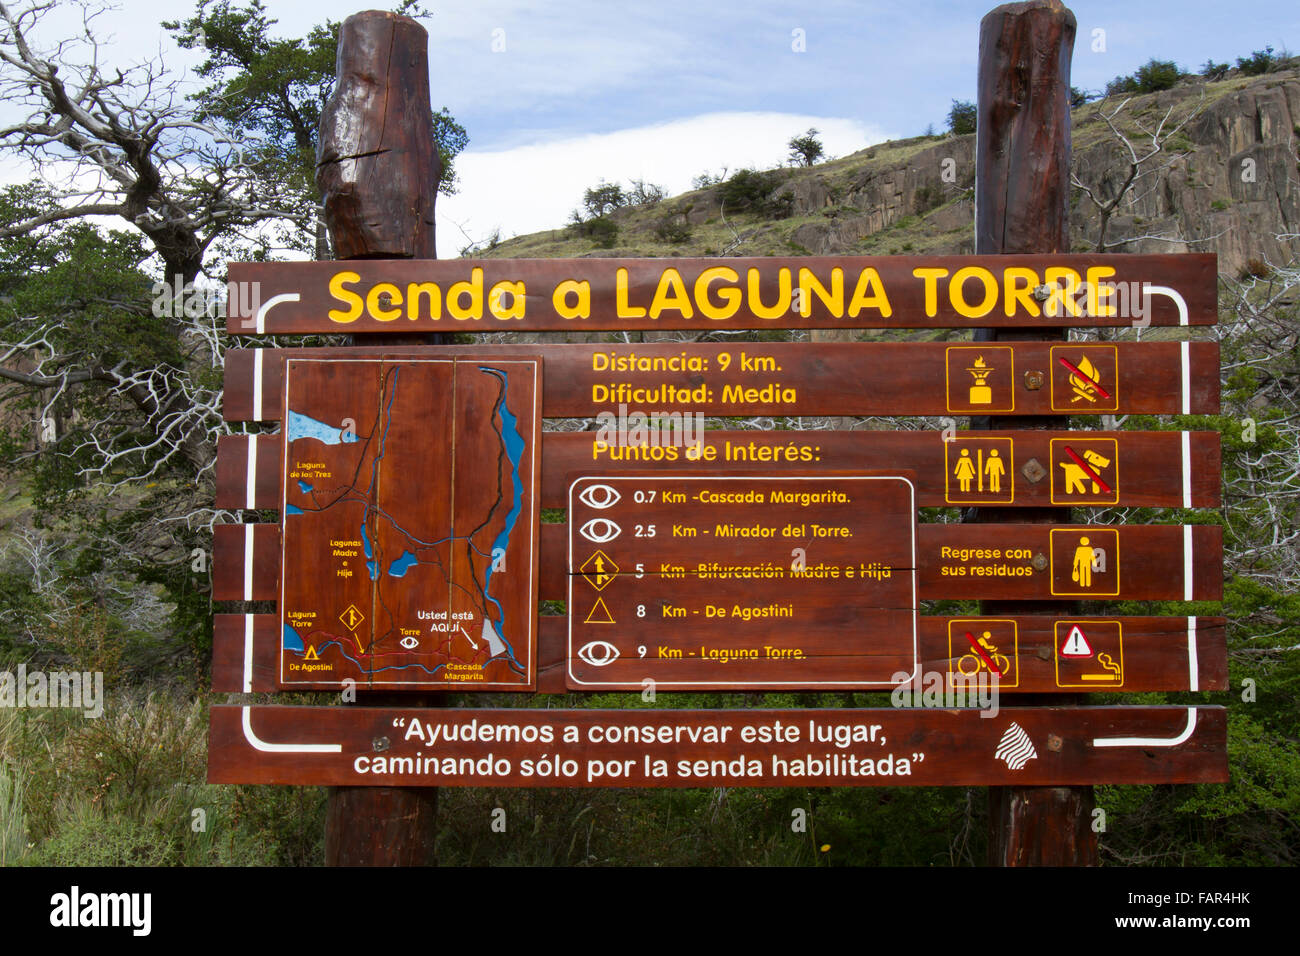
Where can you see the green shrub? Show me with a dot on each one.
(673, 229)
(751, 190)
(1258, 63)
(1151, 77)
(87, 837)
(1214, 71)
(962, 117)
(601, 230)
(1158, 75)
(604, 198)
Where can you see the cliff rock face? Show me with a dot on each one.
(1225, 179)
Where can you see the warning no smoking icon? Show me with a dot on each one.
(1089, 654)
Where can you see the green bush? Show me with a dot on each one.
(673, 229)
(962, 117)
(751, 190)
(1151, 77)
(1259, 62)
(604, 198)
(1214, 71)
(601, 230)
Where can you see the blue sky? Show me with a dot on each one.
(558, 94)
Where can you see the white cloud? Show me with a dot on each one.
(531, 188)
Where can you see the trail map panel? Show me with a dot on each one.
(409, 516)
(713, 582)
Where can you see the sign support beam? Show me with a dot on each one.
(379, 198)
(1022, 184)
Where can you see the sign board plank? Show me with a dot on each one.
(1035, 654)
(245, 653)
(248, 472)
(913, 746)
(410, 487)
(245, 562)
(1154, 654)
(1156, 563)
(801, 378)
(526, 295)
(1003, 468)
(1083, 469)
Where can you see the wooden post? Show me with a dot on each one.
(376, 164)
(1022, 185)
(378, 170)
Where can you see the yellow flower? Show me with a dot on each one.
(826, 847)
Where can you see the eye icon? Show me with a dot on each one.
(600, 496)
(598, 653)
(409, 642)
(600, 530)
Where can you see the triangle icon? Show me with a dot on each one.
(311, 653)
(599, 614)
(1076, 644)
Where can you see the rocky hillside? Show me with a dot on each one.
(1223, 179)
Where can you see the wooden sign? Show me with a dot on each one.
(1036, 654)
(526, 295)
(914, 746)
(409, 512)
(842, 612)
(1015, 469)
(799, 378)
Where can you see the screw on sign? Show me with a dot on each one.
(410, 479)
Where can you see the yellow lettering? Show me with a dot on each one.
(753, 278)
(869, 280)
(832, 299)
(1062, 296)
(506, 300)
(957, 292)
(1095, 292)
(931, 278)
(581, 309)
(430, 291)
(474, 289)
(374, 303)
(337, 282)
(730, 296)
(1018, 285)
(671, 294)
(622, 308)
